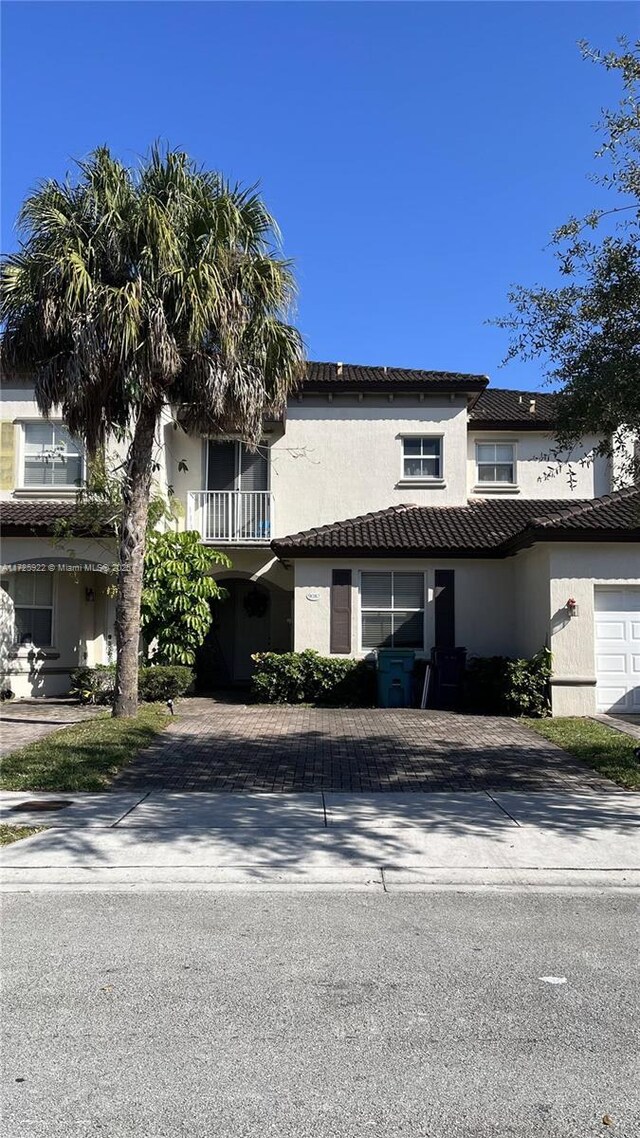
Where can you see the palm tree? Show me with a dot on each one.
(137, 290)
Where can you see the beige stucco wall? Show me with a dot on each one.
(505, 607)
(341, 459)
(575, 570)
(338, 459)
(536, 474)
(484, 618)
(81, 626)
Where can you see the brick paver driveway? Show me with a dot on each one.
(29, 720)
(216, 746)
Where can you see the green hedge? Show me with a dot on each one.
(307, 677)
(156, 684)
(498, 685)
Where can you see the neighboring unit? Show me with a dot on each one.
(460, 530)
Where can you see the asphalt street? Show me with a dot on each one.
(336, 1014)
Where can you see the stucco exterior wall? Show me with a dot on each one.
(531, 607)
(341, 459)
(18, 405)
(536, 474)
(338, 458)
(483, 592)
(82, 613)
(575, 570)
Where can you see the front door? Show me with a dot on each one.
(252, 628)
(241, 625)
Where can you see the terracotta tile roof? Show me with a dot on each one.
(19, 516)
(498, 408)
(620, 510)
(494, 408)
(359, 377)
(490, 527)
(24, 517)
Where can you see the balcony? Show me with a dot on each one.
(238, 517)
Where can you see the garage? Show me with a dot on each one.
(617, 635)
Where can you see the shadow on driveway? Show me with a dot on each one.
(217, 747)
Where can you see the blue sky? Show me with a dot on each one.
(416, 155)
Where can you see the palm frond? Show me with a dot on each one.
(162, 285)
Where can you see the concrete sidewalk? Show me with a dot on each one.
(387, 841)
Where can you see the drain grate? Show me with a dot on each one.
(42, 804)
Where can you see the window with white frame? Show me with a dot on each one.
(422, 457)
(32, 596)
(496, 462)
(51, 457)
(392, 610)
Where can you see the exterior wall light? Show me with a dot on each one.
(89, 595)
(572, 607)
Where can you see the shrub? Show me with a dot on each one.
(177, 590)
(307, 677)
(156, 684)
(498, 685)
(161, 682)
(94, 685)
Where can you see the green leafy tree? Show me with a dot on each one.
(587, 329)
(177, 589)
(138, 290)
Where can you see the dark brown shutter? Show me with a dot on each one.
(340, 633)
(445, 608)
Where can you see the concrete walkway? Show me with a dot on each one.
(365, 841)
(213, 746)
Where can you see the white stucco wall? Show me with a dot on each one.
(483, 591)
(575, 570)
(531, 603)
(536, 474)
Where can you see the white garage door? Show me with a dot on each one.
(618, 649)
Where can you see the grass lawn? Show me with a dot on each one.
(85, 756)
(606, 750)
(10, 834)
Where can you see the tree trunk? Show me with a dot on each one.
(131, 554)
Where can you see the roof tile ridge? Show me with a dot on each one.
(586, 506)
(329, 527)
(398, 367)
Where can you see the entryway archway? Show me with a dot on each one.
(254, 617)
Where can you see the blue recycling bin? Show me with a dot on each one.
(395, 677)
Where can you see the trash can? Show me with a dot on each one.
(395, 677)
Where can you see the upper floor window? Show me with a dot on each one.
(392, 607)
(496, 462)
(232, 466)
(32, 596)
(51, 456)
(422, 457)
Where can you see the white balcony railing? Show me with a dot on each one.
(239, 516)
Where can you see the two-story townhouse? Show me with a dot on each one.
(459, 530)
